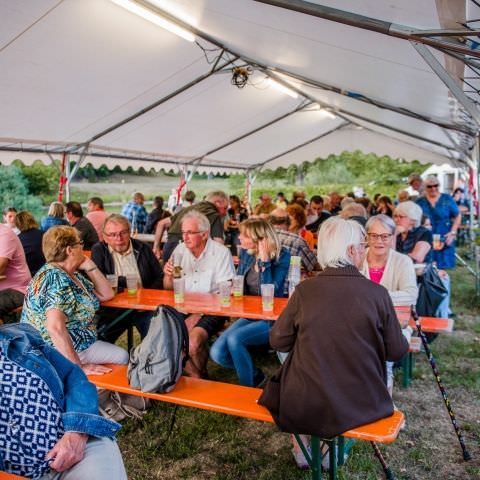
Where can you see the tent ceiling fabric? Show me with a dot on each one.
(73, 69)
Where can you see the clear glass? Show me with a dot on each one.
(179, 290)
(132, 284)
(113, 280)
(267, 290)
(225, 292)
(237, 288)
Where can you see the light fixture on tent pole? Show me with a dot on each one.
(142, 11)
(327, 112)
(281, 88)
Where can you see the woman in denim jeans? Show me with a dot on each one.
(262, 261)
(35, 381)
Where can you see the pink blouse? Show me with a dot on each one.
(376, 274)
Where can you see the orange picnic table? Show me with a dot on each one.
(205, 303)
(243, 307)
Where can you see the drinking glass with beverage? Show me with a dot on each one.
(113, 280)
(179, 290)
(267, 291)
(132, 285)
(225, 292)
(237, 287)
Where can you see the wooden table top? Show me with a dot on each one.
(244, 307)
(205, 303)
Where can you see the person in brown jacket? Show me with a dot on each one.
(340, 329)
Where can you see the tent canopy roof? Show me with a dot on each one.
(73, 70)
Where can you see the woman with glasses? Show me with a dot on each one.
(392, 270)
(445, 218)
(412, 239)
(62, 299)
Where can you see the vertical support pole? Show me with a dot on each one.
(62, 179)
(67, 179)
(316, 465)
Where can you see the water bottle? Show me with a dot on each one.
(294, 274)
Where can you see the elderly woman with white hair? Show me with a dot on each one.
(385, 266)
(340, 329)
(412, 239)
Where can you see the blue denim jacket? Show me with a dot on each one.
(76, 396)
(275, 271)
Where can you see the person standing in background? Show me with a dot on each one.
(97, 215)
(136, 213)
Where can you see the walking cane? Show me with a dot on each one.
(431, 360)
(388, 473)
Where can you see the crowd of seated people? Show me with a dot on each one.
(45, 270)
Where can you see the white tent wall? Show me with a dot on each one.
(74, 69)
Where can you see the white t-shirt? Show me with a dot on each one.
(203, 274)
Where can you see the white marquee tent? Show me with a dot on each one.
(92, 80)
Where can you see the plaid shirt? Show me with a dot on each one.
(136, 214)
(297, 246)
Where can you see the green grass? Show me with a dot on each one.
(207, 445)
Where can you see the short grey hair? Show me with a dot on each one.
(431, 179)
(346, 201)
(202, 221)
(353, 209)
(334, 237)
(385, 220)
(217, 195)
(411, 210)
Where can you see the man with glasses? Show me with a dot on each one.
(205, 264)
(121, 255)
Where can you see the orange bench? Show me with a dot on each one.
(241, 402)
(9, 476)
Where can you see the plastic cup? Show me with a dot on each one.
(179, 290)
(437, 241)
(267, 296)
(237, 286)
(132, 285)
(113, 280)
(225, 292)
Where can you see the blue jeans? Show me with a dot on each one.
(443, 310)
(230, 349)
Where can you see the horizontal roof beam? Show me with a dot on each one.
(368, 23)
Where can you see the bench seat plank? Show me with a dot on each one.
(234, 400)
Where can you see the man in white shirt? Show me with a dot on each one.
(205, 264)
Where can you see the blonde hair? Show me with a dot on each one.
(25, 221)
(56, 209)
(257, 229)
(116, 218)
(56, 240)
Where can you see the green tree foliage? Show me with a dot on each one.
(14, 190)
(42, 180)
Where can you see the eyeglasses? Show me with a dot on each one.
(76, 244)
(190, 232)
(384, 237)
(121, 234)
(397, 215)
(433, 186)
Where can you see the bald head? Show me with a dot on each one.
(279, 219)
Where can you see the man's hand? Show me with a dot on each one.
(168, 267)
(94, 369)
(68, 451)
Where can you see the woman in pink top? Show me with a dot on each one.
(391, 269)
(14, 272)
